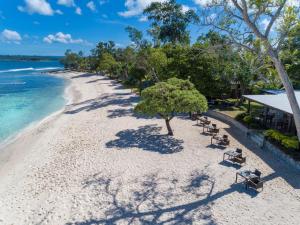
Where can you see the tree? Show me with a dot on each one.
(170, 20)
(71, 60)
(264, 22)
(168, 98)
(136, 37)
(107, 64)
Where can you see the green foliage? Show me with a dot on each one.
(71, 60)
(107, 64)
(170, 21)
(241, 116)
(248, 119)
(171, 97)
(288, 142)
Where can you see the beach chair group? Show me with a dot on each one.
(235, 156)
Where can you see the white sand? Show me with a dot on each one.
(98, 163)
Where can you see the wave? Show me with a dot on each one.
(16, 70)
(13, 83)
(48, 68)
(30, 69)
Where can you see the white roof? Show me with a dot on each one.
(279, 101)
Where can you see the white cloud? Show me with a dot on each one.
(68, 3)
(41, 7)
(78, 11)
(91, 5)
(136, 7)
(202, 2)
(60, 37)
(143, 19)
(10, 36)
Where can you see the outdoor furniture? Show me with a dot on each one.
(255, 183)
(211, 129)
(203, 121)
(252, 179)
(221, 140)
(238, 159)
(231, 154)
(246, 174)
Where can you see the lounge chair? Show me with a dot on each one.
(257, 173)
(255, 183)
(238, 159)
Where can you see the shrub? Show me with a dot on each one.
(240, 116)
(248, 120)
(288, 142)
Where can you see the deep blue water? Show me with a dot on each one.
(27, 95)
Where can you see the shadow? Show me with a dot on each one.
(280, 168)
(154, 200)
(115, 113)
(84, 75)
(147, 138)
(214, 146)
(230, 164)
(122, 100)
(93, 81)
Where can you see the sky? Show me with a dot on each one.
(50, 27)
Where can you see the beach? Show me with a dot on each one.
(97, 162)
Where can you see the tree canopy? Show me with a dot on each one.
(168, 98)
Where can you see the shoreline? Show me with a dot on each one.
(35, 124)
(99, 163)
(67, 95)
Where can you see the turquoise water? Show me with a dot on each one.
(27, 95)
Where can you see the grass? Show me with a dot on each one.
(233, 110)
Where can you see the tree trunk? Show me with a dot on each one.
(288, 88)
(170, 131)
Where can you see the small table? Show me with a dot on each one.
(208, 127)
(246, 174)
(231, 154)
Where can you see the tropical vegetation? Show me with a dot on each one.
(236, 53)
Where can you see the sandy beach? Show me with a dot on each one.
(96, 162)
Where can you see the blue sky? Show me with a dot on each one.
(49, 27)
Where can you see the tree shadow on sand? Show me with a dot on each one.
(153, 199)
(149, 200)
(119, 99)
(125, 112)
(147, 138)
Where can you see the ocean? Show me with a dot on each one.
(27, 94)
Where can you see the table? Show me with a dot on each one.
(209, 127)
(246, 174)
(231, 154)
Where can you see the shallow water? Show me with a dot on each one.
(27, 95)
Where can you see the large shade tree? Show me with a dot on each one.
(170, 21)
(166, 99)
(267, 23)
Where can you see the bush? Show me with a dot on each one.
(248, 120)
(290, 143)
(240, 116)
(286, 141)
